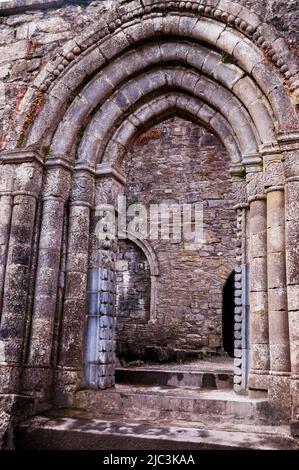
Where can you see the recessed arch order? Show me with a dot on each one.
(211, 41)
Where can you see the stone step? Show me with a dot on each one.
(175, 378)
(67, 433)
(158, 403)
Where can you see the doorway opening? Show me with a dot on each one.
(228, 307)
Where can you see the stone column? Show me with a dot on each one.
(100, 354)
(289, 144)
(26, 188)
(241, 333)
(279, 387)
(258, 318)
(6, 203)
(69, 374)
(38, 376)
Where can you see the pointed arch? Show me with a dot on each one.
(227, 27)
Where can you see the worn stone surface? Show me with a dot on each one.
(79, 82)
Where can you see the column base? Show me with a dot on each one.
(66, 383)
(13, 409)
(37, 382)
(9, 378)
(294, 427)
(258, 383)
(280, 394)
(294, 387)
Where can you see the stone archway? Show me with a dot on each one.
(108, 85)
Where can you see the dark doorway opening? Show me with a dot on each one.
(228, 311)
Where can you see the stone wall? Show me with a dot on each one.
(180, 162)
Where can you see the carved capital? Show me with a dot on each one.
(57, 183)
(21, 171)
(289, 144)
(291, 164)
(28, 178)
(83, 187)
(273, 173)
(107, 190)
(240, 193)
(255, 186)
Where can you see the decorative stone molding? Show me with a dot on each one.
(19, 156)
(231, 14)
(103, 41)
(241, 349)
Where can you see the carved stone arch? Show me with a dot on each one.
(240, 34)
(99, 89)
(154, 270)
(98, 131)
(148, 251)
(161, 108)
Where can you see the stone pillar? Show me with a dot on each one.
(289, 144)
(100, 354)
(69, 375)
(279, 387)
(241, 333)
(258, 318)
(38, 376)
(27, 179)
(6, 203)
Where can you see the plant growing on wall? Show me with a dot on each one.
(240, 173)
(146, 137)
(33, 110)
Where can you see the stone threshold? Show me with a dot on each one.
(175, 378)
(66, 433)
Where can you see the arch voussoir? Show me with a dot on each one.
(97, 133)
(232, 41)
(160, 108)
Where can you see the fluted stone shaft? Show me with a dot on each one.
(259, 328)
(290, 147)
(56, 191)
